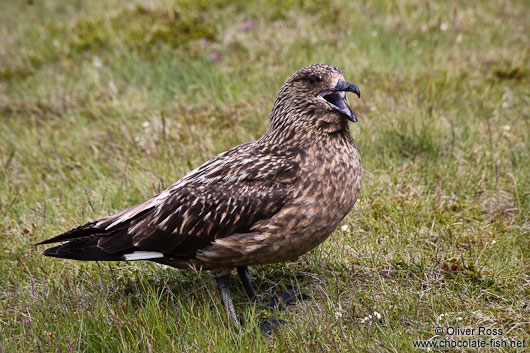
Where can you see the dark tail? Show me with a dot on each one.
(82, 249)
(83, 244)
(79, 232)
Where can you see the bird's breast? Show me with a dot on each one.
(333, 180)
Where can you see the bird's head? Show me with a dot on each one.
(315, 95)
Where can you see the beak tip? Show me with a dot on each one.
(353, 117)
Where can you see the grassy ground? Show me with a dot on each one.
(104, 103)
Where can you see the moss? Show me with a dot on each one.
(147, 30)
(142, 29)
(508, 72)
(87, 35)
(17, 73)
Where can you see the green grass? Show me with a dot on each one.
(104, 103)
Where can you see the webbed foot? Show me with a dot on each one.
(290, 296)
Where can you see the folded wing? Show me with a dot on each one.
(226, 195)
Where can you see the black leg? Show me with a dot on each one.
(222, 284)
(242, 271)
(267, 326)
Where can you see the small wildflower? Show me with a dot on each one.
(214, 57)
(374, 315)
(374, 34)
(459, 38)
(444, 27)
(96, 62)
(505, 105)
(338, 315)
(344, 228)
(493, 242)
(441, 316)
(460, 318)
(112, 87)
(245, 26)
(26, 255)
(145, 124)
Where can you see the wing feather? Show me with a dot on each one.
(226, 195)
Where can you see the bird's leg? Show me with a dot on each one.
(242, 271)
(222, 284)
(267, 326)
(285, 297)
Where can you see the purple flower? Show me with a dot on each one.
(214, 57)
(26, 255)
(245, 26)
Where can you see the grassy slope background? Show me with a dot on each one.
(104, 103)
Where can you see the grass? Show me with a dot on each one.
(104, 103)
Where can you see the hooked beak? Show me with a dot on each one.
(336, 98)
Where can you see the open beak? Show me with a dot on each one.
(336, 98)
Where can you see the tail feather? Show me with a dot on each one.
(85, 230)
(82, 249)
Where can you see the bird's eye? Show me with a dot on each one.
(312, 80)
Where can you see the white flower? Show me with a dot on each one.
(112, 87)
(366, 318)
(371, 317)
(96, 62)
(444, 27)
(145, 124)
(374, 34)
(338, 315)
(344, 228)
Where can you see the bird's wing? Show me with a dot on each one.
(226, 195)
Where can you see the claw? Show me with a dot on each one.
(287, 297)
(268, 326)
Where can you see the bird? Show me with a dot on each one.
(262, 202)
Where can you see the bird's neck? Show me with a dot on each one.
(301, 131)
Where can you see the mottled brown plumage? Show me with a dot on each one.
(262, 202)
